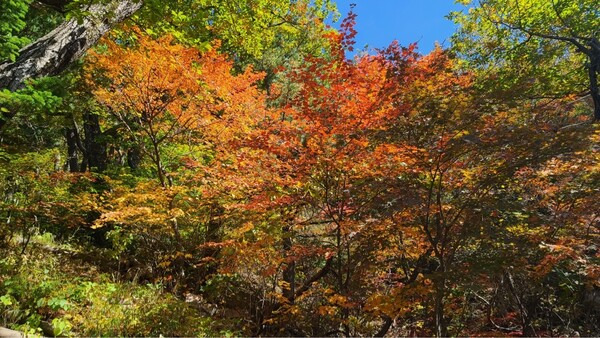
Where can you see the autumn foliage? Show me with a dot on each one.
(388, 193)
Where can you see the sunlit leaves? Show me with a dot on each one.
(12, 21)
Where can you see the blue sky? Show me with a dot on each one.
(379, 22)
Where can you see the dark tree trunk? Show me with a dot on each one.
(54, 52)
(95, 155)
(440, 321)
(134, 157)
(73, 158)
(387, 323)
(289, 272)
(214, 234)
(441, 327)
(593, 70)
(214, 231)
(158, 163)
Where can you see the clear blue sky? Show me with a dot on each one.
(379, 22)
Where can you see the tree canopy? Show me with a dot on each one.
(221, 168)
(546, 49)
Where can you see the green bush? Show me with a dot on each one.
(39, 293)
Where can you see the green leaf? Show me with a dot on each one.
(6, 300)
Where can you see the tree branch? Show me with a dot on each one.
(314, 278)
(574, 41)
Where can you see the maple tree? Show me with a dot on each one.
(183, 109)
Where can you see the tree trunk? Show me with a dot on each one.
(593, 70)
(95, 155)
(134, 157)
(440, 325)
(214, 234)
(54, 52)
(73, 159)
(158, 163)
(441, 329)
(387, 323)
(289, 272)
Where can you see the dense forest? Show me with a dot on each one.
(240, 168)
